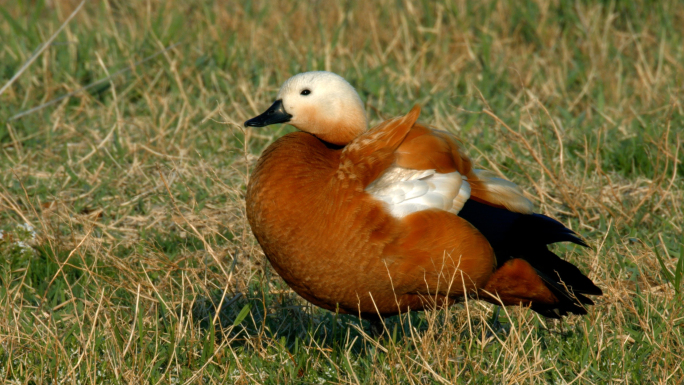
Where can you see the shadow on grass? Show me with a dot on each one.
(283, 318)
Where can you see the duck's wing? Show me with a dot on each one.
(412, 167)
(407, 191)
(488, 188)
(368, 157)
(426, 148)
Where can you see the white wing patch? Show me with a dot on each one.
(407, 191)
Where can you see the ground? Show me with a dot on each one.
(122, 204)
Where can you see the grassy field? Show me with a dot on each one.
(125, 254)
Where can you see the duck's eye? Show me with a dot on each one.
(305, 92)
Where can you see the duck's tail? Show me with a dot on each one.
(527, 272)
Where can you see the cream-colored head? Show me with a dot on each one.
(321, 103)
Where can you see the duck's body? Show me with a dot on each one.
(336, 245)
(380, 222)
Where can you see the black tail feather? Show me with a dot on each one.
(515, 235)
(562, 272)
(570, 300)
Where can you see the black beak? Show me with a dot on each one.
(275, 114)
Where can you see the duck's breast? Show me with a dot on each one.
(321, 232)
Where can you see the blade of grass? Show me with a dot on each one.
(40, 50)
(93, 84)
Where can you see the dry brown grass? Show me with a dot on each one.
(135, 186)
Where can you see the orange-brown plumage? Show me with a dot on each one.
(517, 282)
(339, 245)
(336, 245)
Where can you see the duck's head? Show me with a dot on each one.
(321, 103)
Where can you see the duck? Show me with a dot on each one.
(378, 222)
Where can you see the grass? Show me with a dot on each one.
(125, 254)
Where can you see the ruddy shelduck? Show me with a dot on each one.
(378, 222)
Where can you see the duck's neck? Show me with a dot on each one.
(340, 130)
(341, 134)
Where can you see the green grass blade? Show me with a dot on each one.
(243, 314)
(16, 27)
